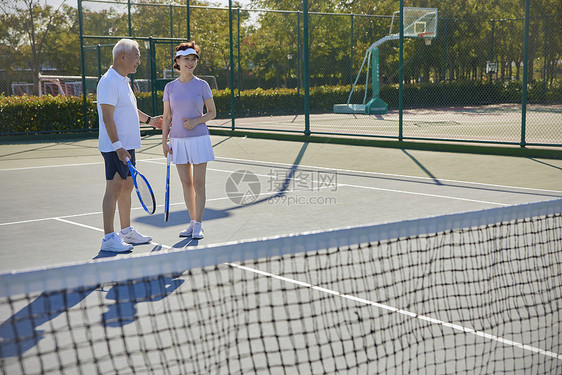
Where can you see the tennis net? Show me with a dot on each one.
(476, 292)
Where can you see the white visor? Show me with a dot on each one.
(185, 52)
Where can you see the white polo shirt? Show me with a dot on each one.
(115, 90)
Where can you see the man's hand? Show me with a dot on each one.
(123, 155)
(156, 122)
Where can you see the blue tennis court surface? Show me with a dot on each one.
(448, 285)
(52, 192)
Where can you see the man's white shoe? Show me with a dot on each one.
(187, 231)
(134, 238)
(197, 231)
(115, 244)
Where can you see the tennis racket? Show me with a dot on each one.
(167, 196)
(144, 191)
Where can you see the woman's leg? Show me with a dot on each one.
(186, 177)
(199, 175)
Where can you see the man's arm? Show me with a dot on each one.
(154, 121)
(111, 128)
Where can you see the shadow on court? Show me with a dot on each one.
(179, 217)
(22, 330)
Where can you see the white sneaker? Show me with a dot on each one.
(187, 231)
(115, 244)
(197, 231)
(134, 237)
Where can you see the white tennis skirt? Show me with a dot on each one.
(192, 150)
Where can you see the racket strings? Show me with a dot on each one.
(145, 194)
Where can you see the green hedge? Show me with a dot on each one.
(33, 114)
(26, 114)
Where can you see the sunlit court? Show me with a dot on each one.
(274, 187)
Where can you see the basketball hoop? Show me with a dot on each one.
(427, 36)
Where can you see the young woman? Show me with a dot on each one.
(184, 122)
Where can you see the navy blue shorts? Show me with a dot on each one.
(114, 165)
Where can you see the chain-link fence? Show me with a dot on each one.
(467, 85)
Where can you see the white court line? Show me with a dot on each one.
(60, 218)
(157, 161)
(48, 218)
(48, 166)
(385, 174)
(101, 230)
(426, 195)
(389, 190)
(268, 193)
(328, 291)
(154, 161)
(78, 224)
(91, 213)
(404, 312)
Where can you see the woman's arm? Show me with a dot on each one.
(211, 114)
(166, 124)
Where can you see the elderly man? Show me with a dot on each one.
(119, 136)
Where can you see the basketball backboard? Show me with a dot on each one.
(418, 23)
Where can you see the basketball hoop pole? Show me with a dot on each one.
(422, 24)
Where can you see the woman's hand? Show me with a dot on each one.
(166, 148)
(190, 123)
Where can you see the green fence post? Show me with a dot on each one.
(444, 96)
(525, 66)
(491, 59)
(83, 64)
(153, 76)
(129, 18)
(148, 46)
(230, 36)
(130, 26)
(543, 96)
(298, 58)
(306, 69)
(171, 21)
(171, 37)
(238, 58)
(401, 73)
(351, 52)
(188, 20)
(445, 41)
(98, 53)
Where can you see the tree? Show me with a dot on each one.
(27, 30)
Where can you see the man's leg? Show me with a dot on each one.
(114, 189)
(113, 192)
(129, 234)
(124, 202)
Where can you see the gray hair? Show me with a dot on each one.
(124, 45)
